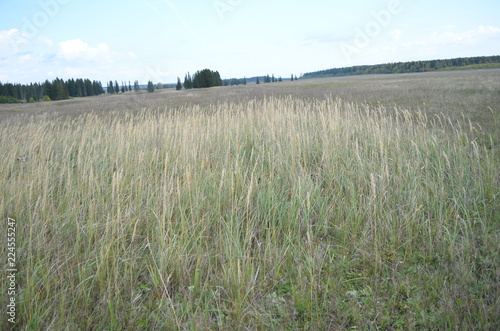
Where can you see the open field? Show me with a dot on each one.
(366, 202)
(460, 95)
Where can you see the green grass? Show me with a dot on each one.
(473, 67)
(277, 213)
(5, 99)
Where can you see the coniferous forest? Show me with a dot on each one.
(407, 67)
(202, 79)
(58, 89)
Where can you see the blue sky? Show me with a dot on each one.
(161, 40)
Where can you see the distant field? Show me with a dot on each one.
(471, 95)
(474, 66)
(366, 202)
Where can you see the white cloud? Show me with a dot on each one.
(395, 34)
(132, 55)
(40, 58)
(480, 33)
(25, 58)
(12, 41)
(487, 31)
(77, 49)
(45, 41)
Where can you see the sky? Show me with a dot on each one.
(160, 40)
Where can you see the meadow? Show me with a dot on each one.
(365, 202)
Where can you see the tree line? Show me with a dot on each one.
(115, 88)
(208, 78)
(405, 67)
(201, 79)
(58, 89)
(270, 79)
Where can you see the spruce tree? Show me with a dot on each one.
(206, 78)
(179, 84)
(47, 90)
(89, 90)
(71, 87)
(188, 81)
(61, 90)
(151, 87)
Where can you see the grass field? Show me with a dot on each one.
(365, 202)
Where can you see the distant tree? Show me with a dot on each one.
(292, 77)
(80, 88)
(178, 87)
(136, 86)
(244, 81)
(273, 79)
(58, 89)
(151, 87)
(188, 82)
(206, 78)
(110, 88)
(159, 86)
(296, 77)
(257, 81)
(117, 88)
(48, 90)
(89, 89)
(97, 87)
(280, 80)
(71, 87)
(61, 90)
(36, 91)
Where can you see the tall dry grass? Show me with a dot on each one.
(278, 213)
